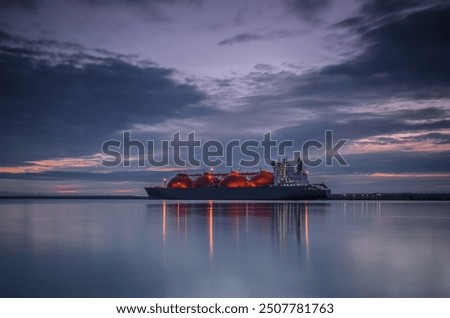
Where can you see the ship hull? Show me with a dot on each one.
(217, 193)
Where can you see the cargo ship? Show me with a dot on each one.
(287, 182)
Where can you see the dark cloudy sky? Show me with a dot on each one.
(75, 73)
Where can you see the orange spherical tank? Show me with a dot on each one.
(206, 180)
(234, 180)
(250, 184)
(262, 179)
(181, 180)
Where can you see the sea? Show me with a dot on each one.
(142, 248)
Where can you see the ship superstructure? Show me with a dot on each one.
(286, 173)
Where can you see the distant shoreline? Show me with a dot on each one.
(337, 196)
(76, 197)
(392, 196)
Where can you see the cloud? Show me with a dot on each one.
(146, 10)
(405, 59)
(23, 4)
(68, 104)
(416, 141)
(138, 176)
(151, 10)
(373, 14)
(249, 37)
(392, 99)
(307, 10)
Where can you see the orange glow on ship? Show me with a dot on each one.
(181, 180)
(234, 180)
(206, 180)
(262, 179)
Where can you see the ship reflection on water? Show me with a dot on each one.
(283, 225)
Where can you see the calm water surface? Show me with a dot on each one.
(86, 248)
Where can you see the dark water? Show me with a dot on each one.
(62, 248)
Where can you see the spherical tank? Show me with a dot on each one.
(206, 180)
(181, 180)
(234, 180)
(262, 179)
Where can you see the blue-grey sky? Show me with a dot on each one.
(75, 73)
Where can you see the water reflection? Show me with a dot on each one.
(286, 223)
(164, 223)
(211, 230)
(362, 208)
(224, 249)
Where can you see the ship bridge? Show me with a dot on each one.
(289, 173)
